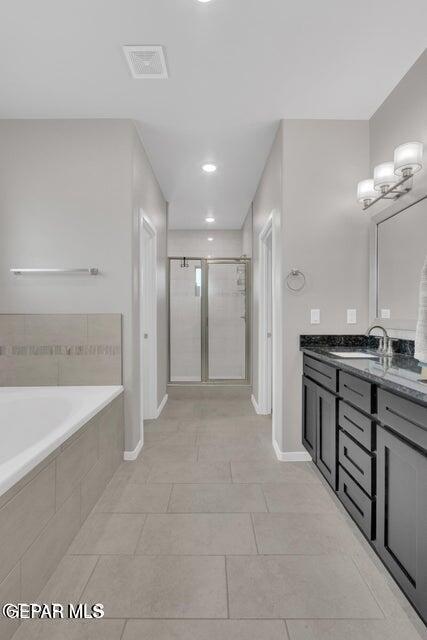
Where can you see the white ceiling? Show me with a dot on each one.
(236, 68)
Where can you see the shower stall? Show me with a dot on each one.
(209, 320)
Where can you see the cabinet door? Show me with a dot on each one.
(402, 515)
(326, 436)
(309, 406)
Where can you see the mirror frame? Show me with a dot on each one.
(406, 328)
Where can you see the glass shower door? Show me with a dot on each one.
(227, 310)
(185, 320)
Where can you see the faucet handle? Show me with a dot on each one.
(389, 351)
(381, 344)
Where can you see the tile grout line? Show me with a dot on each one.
(141, 532)
(253, 529)
(366, 583)
(288, 635)
(226, 587)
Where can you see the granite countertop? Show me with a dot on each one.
(400, 373)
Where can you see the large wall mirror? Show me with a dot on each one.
(398, 252)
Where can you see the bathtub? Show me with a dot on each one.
(34, 421)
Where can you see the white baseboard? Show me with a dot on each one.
(291, 456)
(132, 455)
(162, 405)
(256, 406)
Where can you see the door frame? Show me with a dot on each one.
(148, 298)
(265, 362)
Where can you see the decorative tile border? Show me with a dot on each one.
(61, 350)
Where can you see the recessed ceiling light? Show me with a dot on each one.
(209, 167)
(210, 219)
(210, 239)
(204, 0)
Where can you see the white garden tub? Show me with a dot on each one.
(34, 421)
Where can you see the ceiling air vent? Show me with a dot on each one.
(146, 62)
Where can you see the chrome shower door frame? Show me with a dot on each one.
(204, 320)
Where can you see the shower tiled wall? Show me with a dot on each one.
(60, 349)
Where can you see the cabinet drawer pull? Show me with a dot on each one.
(360, 470)
(355, 505)
(319, 372)
(402, 417)
(353, 390)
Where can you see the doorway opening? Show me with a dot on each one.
(209, 320)
(148, 319)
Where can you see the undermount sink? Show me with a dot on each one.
(353, 354)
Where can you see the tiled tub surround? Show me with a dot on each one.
(41, 514)
(60, 349)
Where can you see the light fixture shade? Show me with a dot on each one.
(384, 176)
(366, 192)
(209, 167)
(408, 157)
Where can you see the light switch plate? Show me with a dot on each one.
(385, 314)
(351, 316)
(315, 316)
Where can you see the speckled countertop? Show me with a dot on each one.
(400, 373)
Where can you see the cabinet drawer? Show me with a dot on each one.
(356, 391)
(360, 507)
(357, 462)
(405, 417)
(321, 373)
(359, 426)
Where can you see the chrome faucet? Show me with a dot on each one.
(385, 346)
(383, 343)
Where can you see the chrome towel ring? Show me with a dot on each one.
(295, 273)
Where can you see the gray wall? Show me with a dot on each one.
(268, 197)
(247, 234)
(326, 235)
(402, 117)
(68, 194)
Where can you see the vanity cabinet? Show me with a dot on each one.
(402, 514)
(370, 443)
(320, 428)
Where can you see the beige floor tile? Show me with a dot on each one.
(272, 471)
(352, 630)
(108, 534)
(171, 439)
(237, 452)
(217, 498)
(205, 630)
(209, 437)
(298, 498)
(69, 579)
(181, 409)
(388, 595)
(70, 630)
(191, 472)
(304, 533)
(159, 587)
(197, 534)
(136, 472)
(125, 497)
(161, 425)
(298, 587)
(165, 452)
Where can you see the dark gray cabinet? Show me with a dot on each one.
(319, 431)
(309, 416)
(370, 443)
(326, 435)
(402, 514)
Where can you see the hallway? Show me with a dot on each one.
(208, 536)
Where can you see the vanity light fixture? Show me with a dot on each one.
(366, 192)
(392, 179)
(210, 219)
